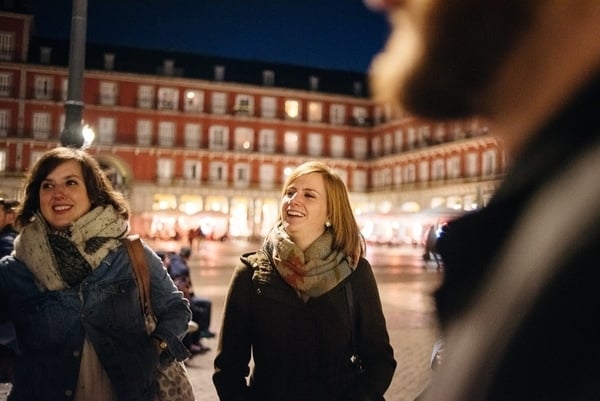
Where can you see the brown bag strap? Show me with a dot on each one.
(140, 270)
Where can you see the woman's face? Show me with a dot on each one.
(304, 209)
(63, 195)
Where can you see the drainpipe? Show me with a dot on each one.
(72, 135)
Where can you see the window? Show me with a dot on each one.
(397, 175)
(2, 160)
(145, 97)
(360, 148)
(359, 115)
(244, 105)
(338, 146)
(192, 170)
(268, 107)
(242, 175)
(267, 176)
(166, 133)
(168, 98)
(291, 142)
(165, 169)
(218, 137)
(4, 123)
(218, 172)
(219, 103)
(106, 130)
(411, 138)
(315, 112)
(376, 146)
(108, 93)
(144, 132)
(453, 167)
(292, 109)
(387, 143)
(437, 169)
(64, 89)
(489, 163)
(398, 141)
(266, 141)
(192, 135)
(43, 87)
(194, 101)
(6, 84)
(268, 78)
(42, 125)
(471, 164)
(7, 46)
(409, 173)
(337, 114)
(315, 144)
(359, 180)
(424, 170)
(244, 139)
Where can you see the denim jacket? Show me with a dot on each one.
(51, 327)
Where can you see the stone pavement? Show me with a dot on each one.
(409, 313)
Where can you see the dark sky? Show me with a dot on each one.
(332, 34)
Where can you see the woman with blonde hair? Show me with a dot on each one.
(305, 307)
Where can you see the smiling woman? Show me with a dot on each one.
(304, 303)
(70, 290)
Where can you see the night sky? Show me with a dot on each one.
(331, 34)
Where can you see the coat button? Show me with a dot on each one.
(258, 291)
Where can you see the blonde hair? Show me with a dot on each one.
(346, 233)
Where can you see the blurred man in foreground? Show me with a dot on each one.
(518, 302)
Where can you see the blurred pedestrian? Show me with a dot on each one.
(70, 290)
(179, 270)
(519, 294)
(7, 231)
(305, 307)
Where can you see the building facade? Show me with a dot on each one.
(191, 147)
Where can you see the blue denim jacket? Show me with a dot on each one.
(51, 327)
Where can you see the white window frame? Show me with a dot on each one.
(41, 125)
(43, 87)
(243, 138)
(266, 140)
(4, 122)
(193, 101)
(293, 109)
(218, 137)
(315, 144)
(108, 93)
(218, 103)
(337, 114)
(360, 148)
(106, 130)
(167, 131)
(267, 175)
(145, 98)
(315, 112)
(7, 46)
(6, 83)
(193, 135)
(268, 107)
(167, 99)
(291, 142)
(337, 146)
(192, 170)
(144, 131)
(241, 173)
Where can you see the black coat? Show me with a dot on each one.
(301, 351)
(554, 354)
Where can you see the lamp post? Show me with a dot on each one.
(72, 135)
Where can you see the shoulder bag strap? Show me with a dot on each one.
(140, 270)
(354, 359)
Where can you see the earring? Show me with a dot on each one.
(327, 224)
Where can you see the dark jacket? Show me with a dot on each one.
(51, 327)
(554, 354)
(301, 351)
(7, 238)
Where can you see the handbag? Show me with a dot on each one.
(173, 381)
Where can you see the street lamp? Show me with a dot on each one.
(72, 135)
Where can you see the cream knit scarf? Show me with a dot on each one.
(313, 272)
(61, 259)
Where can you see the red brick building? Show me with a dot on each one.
(199, 141)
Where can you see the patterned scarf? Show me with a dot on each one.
(313, 272)
(62, 259)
